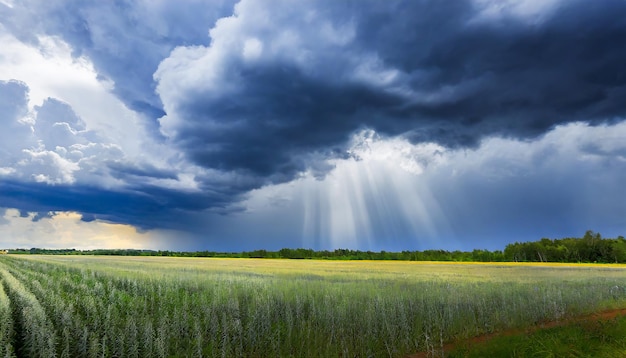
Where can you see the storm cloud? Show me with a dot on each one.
(278, 83)
(145, 207)
(216, 102)
(125, 40)
(52, 163)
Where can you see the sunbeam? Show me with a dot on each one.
(379, 193)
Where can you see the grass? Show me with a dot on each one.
(160, 307)
(589, 338)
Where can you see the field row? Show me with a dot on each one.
(196, 308)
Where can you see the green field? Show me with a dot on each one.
(83, 306)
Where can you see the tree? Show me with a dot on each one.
(619, 249)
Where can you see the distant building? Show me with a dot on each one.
(4, 252)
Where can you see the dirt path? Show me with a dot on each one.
(602, 316)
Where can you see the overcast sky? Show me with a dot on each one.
(372, 125)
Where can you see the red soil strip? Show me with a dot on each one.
(598, 316)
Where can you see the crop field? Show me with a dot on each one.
(85, 306)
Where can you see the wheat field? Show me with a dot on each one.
(85, 306)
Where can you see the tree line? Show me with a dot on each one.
(287, 253)
(592, 247)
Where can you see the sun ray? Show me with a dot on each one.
(375, 201)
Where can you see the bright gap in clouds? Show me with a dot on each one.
(375, 200)
(400, 196)
(50, 71)
(74, 130)
(66, 230)
(378, 194)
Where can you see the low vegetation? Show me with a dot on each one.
(75, 306)
(600, 338)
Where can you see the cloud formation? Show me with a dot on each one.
(278, 83)
(52, 162)
(67, 230)
(400, 196)
(125, 40)
(216, 102)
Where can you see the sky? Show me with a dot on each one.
(263, 124)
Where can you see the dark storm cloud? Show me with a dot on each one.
(455, 77)
(125, 40)
(146, 207)
(279, 116)
(523, 78)
(55, 138)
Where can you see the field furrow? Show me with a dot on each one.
(34, 333)
(6, 325)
